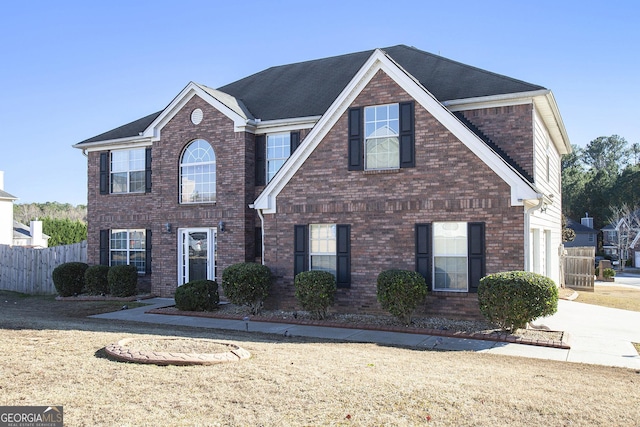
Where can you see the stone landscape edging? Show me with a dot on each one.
(498, 337)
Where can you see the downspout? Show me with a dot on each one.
(527, 231)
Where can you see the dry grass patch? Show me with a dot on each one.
(50, 359)
(612, 296)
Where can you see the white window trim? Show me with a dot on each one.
(128, 171)
(434, 256)
(367, 141)
(182, 165)
(274, 159)
(128, 249)
(327, 254)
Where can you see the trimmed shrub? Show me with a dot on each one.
(96, 281)
(197, 295)
(315, 291)
(68, 278)
(400, 292)
(608, 273)
(247, 283)
(123, 280)
(512, 299)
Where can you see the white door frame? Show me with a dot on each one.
(183, 252)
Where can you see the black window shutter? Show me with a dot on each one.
(104, 247)
(356, 143)
(300, 249)
(147, 259)
(147, 170)
(343, 255)
(295, 141)
(261, 163)
(407, 140)
(104, 173)
(423, 251)
(476, 253)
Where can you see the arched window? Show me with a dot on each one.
(198, 173)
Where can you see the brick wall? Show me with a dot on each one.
(449, 183)
(510, 127)
(235, 190)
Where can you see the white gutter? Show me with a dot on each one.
(127, 142)
(527, 231)
(495, 98)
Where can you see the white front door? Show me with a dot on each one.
(196, 254)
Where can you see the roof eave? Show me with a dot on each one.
(114, 143)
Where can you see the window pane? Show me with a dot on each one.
(136, 182)
(450, 273)
(136, 160)
(119, 182)
(119, 161)
(324, 263)
(383, 153)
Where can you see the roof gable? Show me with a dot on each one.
(308, 88)
(520, 189)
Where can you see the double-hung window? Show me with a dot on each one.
(128, 247)
(322, 244)
(278, 151)
(381, 137)
(450, 256)
(381, 130)
(325, 247)
(128, 171)
(271, 153)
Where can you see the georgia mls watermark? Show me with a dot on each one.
(31, 416)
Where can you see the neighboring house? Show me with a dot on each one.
(29, 235)
(585, 235)
(389, 158)
(6, 214)
(621, 240)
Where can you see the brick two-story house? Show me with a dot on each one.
(390, 158)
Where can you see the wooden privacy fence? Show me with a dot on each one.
(28, 270)
(579, 265)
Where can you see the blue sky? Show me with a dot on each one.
(74, 69)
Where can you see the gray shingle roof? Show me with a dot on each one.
(578, 227)
(308, 88)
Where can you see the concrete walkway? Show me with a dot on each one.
(598, 335)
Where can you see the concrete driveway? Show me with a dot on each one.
(598, 335)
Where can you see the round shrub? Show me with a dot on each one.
(95, 278)
(315, 291)
(512, 299)
(608, 273)
(400, 292)
(123, 280)
(247, 283)
(197, 295)
(68, 278)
